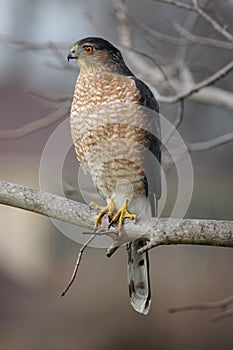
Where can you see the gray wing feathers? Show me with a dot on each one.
(138, 264)
(152, 167)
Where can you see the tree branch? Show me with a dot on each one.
(201, 40)
(123, 29)
(177, 4)
(220, 29)
(76, 267)
(15, 44)
(188, 40)
(177, 122)
(196, 8)
(156, 231)
(200, 85)
(218, 141)
(36, 125)
(208, 94)
(221, 305)
(214, 96)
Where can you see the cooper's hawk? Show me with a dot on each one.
(115, 129)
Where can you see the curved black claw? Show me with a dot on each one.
(111, 223)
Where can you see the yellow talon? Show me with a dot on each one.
(121, 215)
(109, 209)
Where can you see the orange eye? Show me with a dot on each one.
(89, 49)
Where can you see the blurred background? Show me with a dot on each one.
(36, 259)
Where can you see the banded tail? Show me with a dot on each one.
(138, 277)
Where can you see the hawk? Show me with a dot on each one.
(115, 129)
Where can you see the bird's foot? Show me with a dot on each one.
(109, 209)
(121, 215)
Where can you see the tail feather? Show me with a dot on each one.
(138, 277)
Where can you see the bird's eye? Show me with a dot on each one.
(88, 49)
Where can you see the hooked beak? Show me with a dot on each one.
(71, 56)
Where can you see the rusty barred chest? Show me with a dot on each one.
(108, 128)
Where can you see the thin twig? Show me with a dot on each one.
(78, 261)
(198, 86)
(209, 95)
(48, 97)
(223, 314)
(196, 8)
(192, 39)
(10, 42)
(220, 29)
(205, 145)
(177, 4)
(219, 304)
(155, 34)
(125, 39)
(222, 305)
(152, 59)
(36, 125)
(124, 31)
(190, 23)
(177, 122)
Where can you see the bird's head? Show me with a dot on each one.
(96, 53)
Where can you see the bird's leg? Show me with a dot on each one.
(109, 209)
(121, 215)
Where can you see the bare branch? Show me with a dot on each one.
(155, 75)
(214, 96)
(221, 305)
(220, 29)
(78, 261)
(177, 122)
(156, 231)
(223, 314)
(163, 72)
(177, 4)
(205, 145)
(49, 97)
(208, 95)
(124, 32)
(155, 34)
(189, 40)
(201, 40)
(15, 44)
(134, 56)
(36, 125)
(190, 22)
(198, 86)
